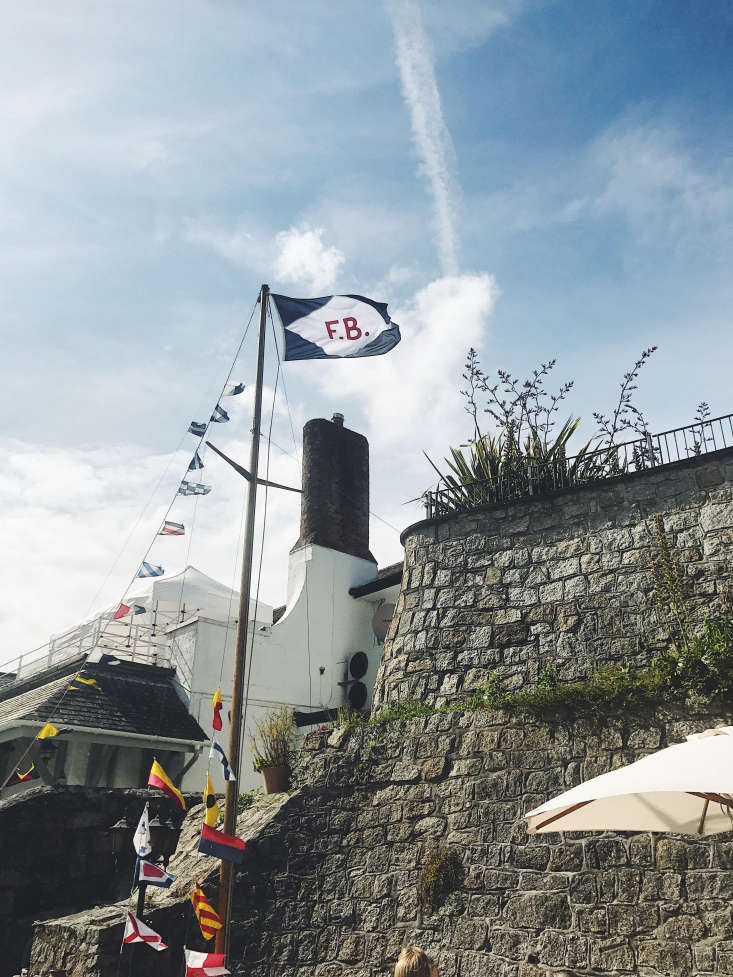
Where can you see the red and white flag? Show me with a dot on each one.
(137, 932)
(204, 964)
(154, 875)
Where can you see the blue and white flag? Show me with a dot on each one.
(195, 463)
(198, 428)
(219, 416)
(193, 488)
(217, 753)
(335, 326)
(150, 570)
(141, 838)
(232, 389)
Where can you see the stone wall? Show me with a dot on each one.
(562, 581)
(56, 857)
(330, 885)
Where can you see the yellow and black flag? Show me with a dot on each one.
(211, 815)
(80, 682)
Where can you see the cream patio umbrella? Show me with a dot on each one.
(686, 788)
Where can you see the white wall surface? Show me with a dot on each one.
(297, 662)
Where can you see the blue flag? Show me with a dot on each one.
(150, 570)
(195, 462)
(219, 416)
(335, 326)
(197, 428)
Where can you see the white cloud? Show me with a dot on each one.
(303, 259)
(409, 396)
(657, 185)
(432, 139)
(76, 526)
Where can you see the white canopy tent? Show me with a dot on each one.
(686, 788)
(199, 593)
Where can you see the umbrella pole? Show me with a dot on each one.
(701, 825)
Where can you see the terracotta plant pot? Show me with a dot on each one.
(277, 779)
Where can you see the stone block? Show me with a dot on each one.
(537, 910)
(668, 958)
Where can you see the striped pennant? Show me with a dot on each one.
(198, 428)
(232, 389)
(195, 464)
(172, 529)
(208, 917)
(150, 570)
(219, 416)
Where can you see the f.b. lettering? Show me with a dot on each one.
(350, 330)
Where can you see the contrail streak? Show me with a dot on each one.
(432, 139)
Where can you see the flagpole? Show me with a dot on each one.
(226, 875)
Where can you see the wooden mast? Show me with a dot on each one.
(226, 876)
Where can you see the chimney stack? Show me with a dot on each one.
(334, 508)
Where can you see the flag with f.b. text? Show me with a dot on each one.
(335, 327)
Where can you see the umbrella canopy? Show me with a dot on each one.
(686, 788)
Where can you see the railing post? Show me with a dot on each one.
(650, 449)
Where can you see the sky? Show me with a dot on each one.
(535, 179)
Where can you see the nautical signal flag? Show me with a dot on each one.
(154, 875)
(211, 814)
(198, 428)
(20, 778)
(47, 732)
(209, 919)
(172, 529)
(226, 847)
(232, 389)
(81, 682)
(193, 488)
(124, 609)
(335, 326)
(150, 570)
(159, 778)
(217, 753)
(205, 964)
(217, 704)
(141, 838)
(137, 932)
(219, 416)
(195, 463)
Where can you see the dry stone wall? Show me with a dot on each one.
(335, 893)
(562, 582)
(330, 885)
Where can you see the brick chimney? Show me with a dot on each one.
(334, 508)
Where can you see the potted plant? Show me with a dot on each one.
(273, 745)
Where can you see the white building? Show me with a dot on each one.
(305, 655)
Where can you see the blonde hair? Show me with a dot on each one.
(413, 962)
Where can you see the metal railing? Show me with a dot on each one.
(530, 478)
(138, 638)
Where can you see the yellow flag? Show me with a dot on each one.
(208, 917)
(211, 815)
(48, 730)
(78, 681)
(159, 778)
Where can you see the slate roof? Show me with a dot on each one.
(134, 699)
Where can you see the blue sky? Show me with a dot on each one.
(539, 179)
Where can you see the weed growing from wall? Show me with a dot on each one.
(441, 874)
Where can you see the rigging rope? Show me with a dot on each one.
(55, 708)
